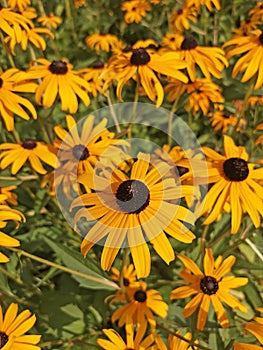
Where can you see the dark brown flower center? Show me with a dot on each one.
(140, 296)
(261, 39)
(209, 285)
(189, 43)
(139, 57)
(80, 152)
(132, 196)
(29, 144)
(126, 282)
(3, 339)
(98, 65)
(180, 11)
(235, 169)
(1, 82)
(127, 48)
(226, 115)
(58, 67)
(181, 170)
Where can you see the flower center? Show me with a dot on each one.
(261, 39)
(127, 48)
(3, 339)
(209, 285)
(98, 65)
(29, 144)
(132, 196)
(181, 170)
(80, 152)
(58, 67)
(1, 82)
(140, 296)
(126, 282)
(189, 43)
(180, 11)
(139, 57)
(226, 115)
(235, 169)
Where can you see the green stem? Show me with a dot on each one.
(6, 49)
(62, 268)
(113, 114)
(71, 22)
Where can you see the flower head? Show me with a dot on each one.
(222, 120)
(135, 10)
(50, 21)
(209, 286)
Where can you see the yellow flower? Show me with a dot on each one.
(135, 10)
(210, 287)
(21, 5)
(10, 102)
(12, 23)
(234, 180)
(86, 147)
(221, 120)
(256, 13)
(259, 140)
(13, 328)
(251, 49)
(142, 304)
(104, 41)
(171, 41)
(93, 76)
(31, 36)
(6, 196)
(180, 18)
(58, 77)
(255, 100)
(79, 3)
(177, 342)
(141, 63)
(7, 241)
(50, 21)
(200, 94)
(256, 329)
(31, 150)
(116, 342)
(211, 60)
(134, 207)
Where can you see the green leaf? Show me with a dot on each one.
(80, 272)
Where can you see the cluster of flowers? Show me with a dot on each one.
(137, 200)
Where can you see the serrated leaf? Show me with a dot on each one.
(80, 272)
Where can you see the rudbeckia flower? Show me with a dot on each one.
(87, 146)
(79, 3)
(201, 94)
(58, 77)
(255, 100)
(132, 208)
(234, 180)
(7, 241)
(257, 12)
(177, 342)
(141, 306)
(93, 76)
(103, 41)
(13, 328)
(180, 18)
(208, 3)
(141, 63)
(251, 49)
(171, 41)
(132, 342)
(29, 149)
(12, 23)
(211, 60)
(256, 329)
(50, 21)
(259, 140)
(6, 196)
(135, 10)
(10, 102)
(209, 286)
(222, 120)
(21, 5)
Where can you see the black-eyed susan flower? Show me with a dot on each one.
(103, 41)
(21, 5)
(222, 120)
(245, 28)
(180, 18)
(58, 77)
(28, 150)
(257, 12)
(31, 36)
(133, 342)
(255, 100)
(256, 329)
(210, 60)
(13, 327)
(7, 196)
(171, 41)
(202, 94)
(178, 342)
(93, 75)
(143, 303)
(85, 145)
(79, 3)
(210, 4)
(11, 103)
(234, 180)
(250, 47)
(135, 10)
(50, 21)
(12, 23)
(141, 63)
(210, 286)
(142, 205)
(259, 140)
(128, 275)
